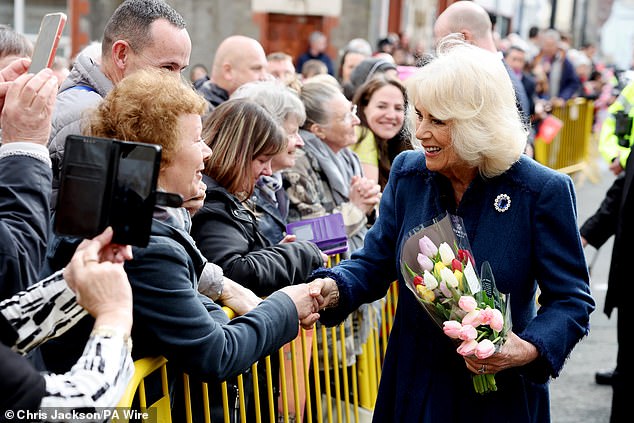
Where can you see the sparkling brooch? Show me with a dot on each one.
(502, 203)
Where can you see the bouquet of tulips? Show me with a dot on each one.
(439, 269)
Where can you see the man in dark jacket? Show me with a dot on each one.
(317, 43)
(563, 81)
(614, 217)
(238, 60)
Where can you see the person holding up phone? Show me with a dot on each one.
(26, 107)
(26, 104)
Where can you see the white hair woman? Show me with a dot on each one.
(518, 215)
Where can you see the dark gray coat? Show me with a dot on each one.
(227, 234)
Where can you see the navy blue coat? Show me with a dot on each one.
(535, 243)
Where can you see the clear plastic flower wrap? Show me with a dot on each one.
(439, 268)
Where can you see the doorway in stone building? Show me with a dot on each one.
(289, 33)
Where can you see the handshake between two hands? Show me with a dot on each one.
(308, 298)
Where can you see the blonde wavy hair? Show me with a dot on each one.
(470, 89)
(145, 107)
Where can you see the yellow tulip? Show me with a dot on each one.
(458, 275)
(425, 293)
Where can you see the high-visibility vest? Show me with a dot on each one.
(608, 142)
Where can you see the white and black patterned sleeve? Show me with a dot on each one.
(45, 310)
(99, 378)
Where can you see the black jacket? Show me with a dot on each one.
(615, 217)
(25, 190)
(213, 94)
(227, 234)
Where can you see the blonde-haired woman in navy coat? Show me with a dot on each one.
(472, 142)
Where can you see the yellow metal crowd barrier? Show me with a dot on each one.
(569, 151)
(311, 389)
(160, 410)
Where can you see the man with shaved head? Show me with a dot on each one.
(470, 20)
(473, 22)
(238, 60)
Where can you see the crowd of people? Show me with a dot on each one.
(263, 139)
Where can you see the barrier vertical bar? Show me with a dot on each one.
(188, 398)
(318, 404)
(240, 400)
(280, 353)
(269, 388)
(306, 363)
(206, 407)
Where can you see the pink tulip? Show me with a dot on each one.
(484, 349)
(427, 247)
(493, 318)
(452, 328)
(473, 318)
(424, 262)
(467, 303)
(468, 332)
(467, 347)
(497, 321)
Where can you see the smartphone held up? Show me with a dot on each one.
(106, 182)
(47, 41)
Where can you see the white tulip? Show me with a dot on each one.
(446, 254)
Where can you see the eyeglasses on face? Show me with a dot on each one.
(350, 116)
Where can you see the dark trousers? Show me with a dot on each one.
(621, 406)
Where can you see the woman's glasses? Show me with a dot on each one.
(349, 117)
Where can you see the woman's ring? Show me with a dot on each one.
(483, 369)
(91, 261)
